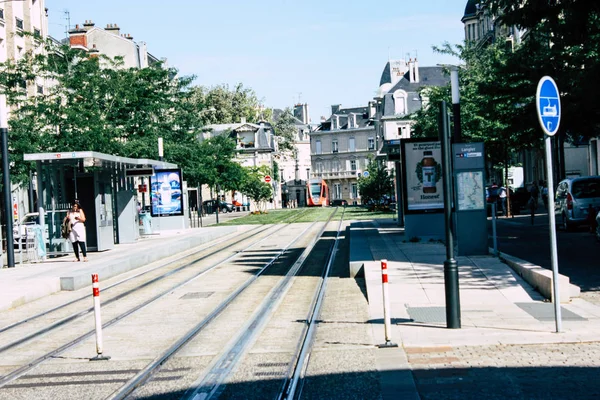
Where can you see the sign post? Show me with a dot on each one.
(547, 101)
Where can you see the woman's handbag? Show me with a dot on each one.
(65, 229)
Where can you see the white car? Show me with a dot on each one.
(23, 230)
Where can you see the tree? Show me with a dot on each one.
(230, 105)
(377, 185)
(214, 164)
(285, 132)
(255, 187)
(95, 104)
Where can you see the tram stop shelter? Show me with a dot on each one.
(103, 184)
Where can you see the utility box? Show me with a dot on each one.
(469, 199)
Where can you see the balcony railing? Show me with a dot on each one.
(334, 174)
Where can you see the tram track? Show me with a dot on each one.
(15, 374)
(211, 382)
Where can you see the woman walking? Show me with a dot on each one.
(76, 218)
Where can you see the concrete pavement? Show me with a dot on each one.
(498, 307)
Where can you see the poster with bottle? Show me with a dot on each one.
(422, 173)
(166, 193)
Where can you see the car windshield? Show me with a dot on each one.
(30, 219)
(586, 188)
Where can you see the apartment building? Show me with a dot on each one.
(341, 148)
(112, 43)
(16, 19)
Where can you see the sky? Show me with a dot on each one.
(288, 51)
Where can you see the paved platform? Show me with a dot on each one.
(28, 282)
(497, 306)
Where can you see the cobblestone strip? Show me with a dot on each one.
(549, 371)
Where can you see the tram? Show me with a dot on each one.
(317, 193)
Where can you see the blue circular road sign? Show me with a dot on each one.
(547, 101)
(366, 174)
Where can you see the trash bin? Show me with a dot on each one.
(146, 223)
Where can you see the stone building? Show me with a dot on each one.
(341, 148)
(112, 43)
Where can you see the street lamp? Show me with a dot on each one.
(10, 252)
(455, 90)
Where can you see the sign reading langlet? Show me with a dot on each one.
(165, 193)
(422, 176)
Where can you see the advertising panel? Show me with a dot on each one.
(165, 193)
(422, 174)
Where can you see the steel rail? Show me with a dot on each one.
(292, 387)
(145, 374)
(210, 384)
(24, 369)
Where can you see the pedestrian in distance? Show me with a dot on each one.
(502, 195)
(545, 195)
(76, 217)
(533, 200)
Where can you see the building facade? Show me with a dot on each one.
(112, 43)
(294, 168)
(341, 148)
(23, 30)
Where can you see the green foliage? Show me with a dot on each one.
(254, 185)
(213, 164)
(229, 105)
(377, 185)
(95, 104)
(285, 132)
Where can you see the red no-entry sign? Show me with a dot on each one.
(268, 179)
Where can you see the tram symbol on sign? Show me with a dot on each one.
(548, 105)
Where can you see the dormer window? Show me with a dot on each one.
(351, 121)
(335, 122)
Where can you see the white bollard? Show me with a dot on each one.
(387, 320)
(98, 320)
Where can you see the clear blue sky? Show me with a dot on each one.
(318, 52)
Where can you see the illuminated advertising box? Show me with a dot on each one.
(422, 176)
(165, 193)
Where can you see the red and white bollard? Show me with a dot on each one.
(98, 320)
(387, 320)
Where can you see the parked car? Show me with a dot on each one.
(210, 206)
(574, 199)
(339, 202)
(24, 229)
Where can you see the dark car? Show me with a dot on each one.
(338, 203)
(210, 206)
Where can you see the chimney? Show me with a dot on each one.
(372, 109)
(305, 114)
(77, 37)
(411, 70)
(88, 24)
(94, 52)
(335, 108)
(416, 70)
(113, 28)
(243, 120)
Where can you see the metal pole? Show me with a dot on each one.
(10, 251)
(552, 222)
(455, 104)
(97, 319)
(495, 238)
(450, 265)
(387, 319)
(160, 149)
